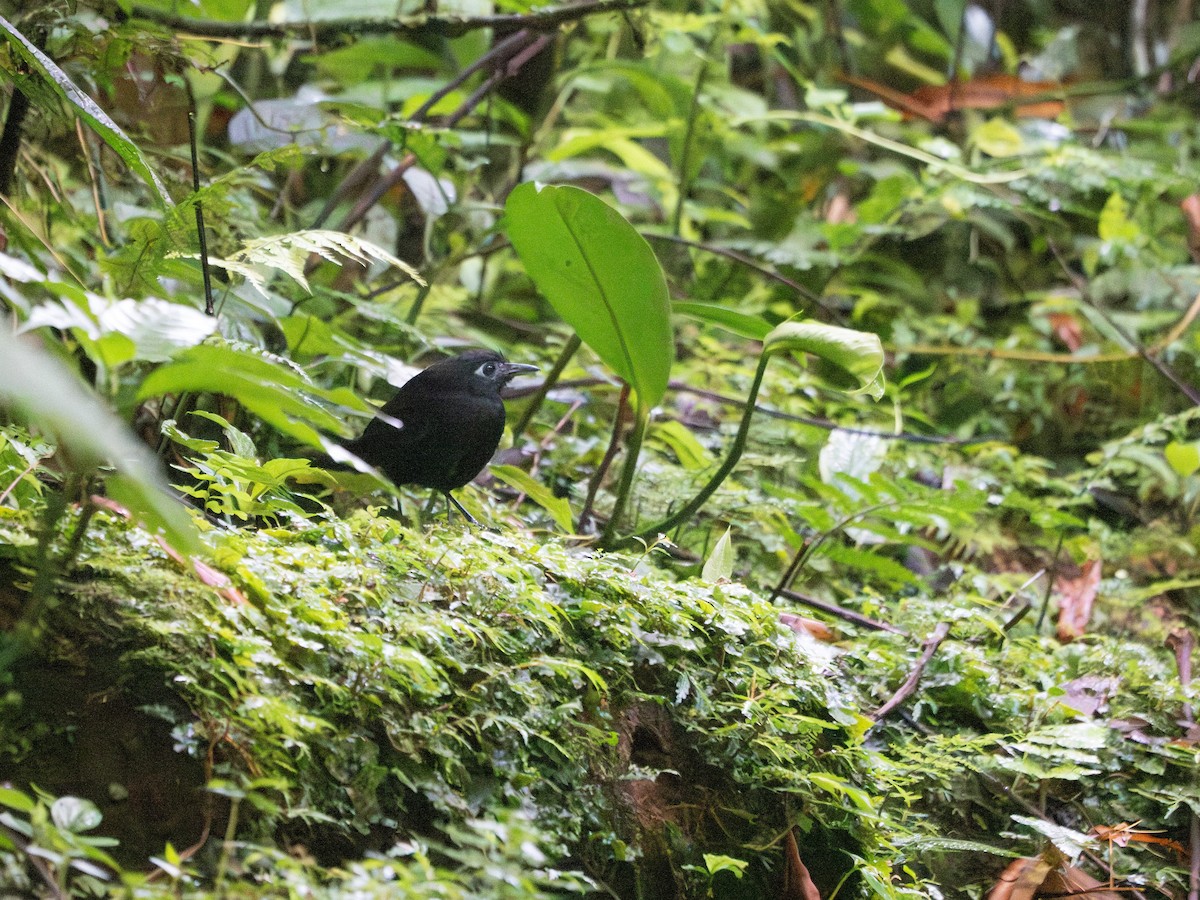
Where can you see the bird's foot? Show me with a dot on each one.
(470, 518)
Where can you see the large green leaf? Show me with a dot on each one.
(277, 394)
(42, 391)
(97, 118)
(601, 276)
(858, 353)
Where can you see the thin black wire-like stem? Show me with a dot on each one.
(744, 260)
(570, 348)
(1161, 367)
(208, 294)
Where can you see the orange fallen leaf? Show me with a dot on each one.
(936, 102)
(1022, 879)
(1123, 833)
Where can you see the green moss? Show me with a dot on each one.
(379, 687)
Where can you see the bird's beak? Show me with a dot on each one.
(512, 369)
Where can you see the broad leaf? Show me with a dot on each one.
(151, 329)
(279, 395)
(75, 814)
(601, 276)
(1184, 458)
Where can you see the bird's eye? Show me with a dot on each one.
(487, 370)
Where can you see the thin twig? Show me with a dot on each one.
(1181, 643)
(929, 647)
(385, 184)
(361, 172)
(614, 444)
(500, 52)
(810, 547)
(539, 391)
(1163, 369)
(357, 177)
(40, 865)
(689, 133)
(741, 258)
(1053, 573)
(828, 424)
(94, 180)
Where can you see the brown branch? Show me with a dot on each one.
(504, 59)
(14, 121)
(327, 29)
(361, 173)
(10, 139)
(517, 50)
(744, 260)
(910, 684)
(37, 863)
(840, 612)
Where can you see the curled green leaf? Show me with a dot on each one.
(858, 353)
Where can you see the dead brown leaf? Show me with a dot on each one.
(798, 624)
(797, 883)
(936, 102)
(1047, 876)
(1123, 833)
(1076, 595)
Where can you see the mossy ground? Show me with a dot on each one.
(383, 693)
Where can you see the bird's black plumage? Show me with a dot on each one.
(452, 417)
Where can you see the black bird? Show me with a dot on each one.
(452, 418)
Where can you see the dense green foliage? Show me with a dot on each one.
(934, 380)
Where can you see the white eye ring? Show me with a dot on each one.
(487, 370)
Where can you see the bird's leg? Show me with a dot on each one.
(459, 507)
